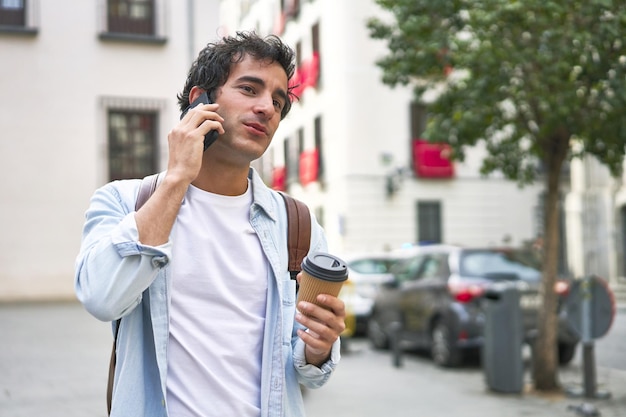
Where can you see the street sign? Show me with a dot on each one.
(590, 307)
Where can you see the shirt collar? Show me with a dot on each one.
(262, 196)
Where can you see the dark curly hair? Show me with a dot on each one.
(212, 67)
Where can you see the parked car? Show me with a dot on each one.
(436, 296)
(366, 272)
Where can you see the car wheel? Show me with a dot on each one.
(566, 352)
(376, 335)
(443, 351)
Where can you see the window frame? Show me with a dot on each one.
(291, 151)
(132, 104)
(319, 145)
(27, 15)
(152, 31)
(135, 157)
(429, 226)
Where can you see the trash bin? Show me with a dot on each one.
(503, 336)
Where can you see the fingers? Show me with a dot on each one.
(186, 139)
(325, 324)
(205, 118)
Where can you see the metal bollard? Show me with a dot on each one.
(502, 350)
(396, 349)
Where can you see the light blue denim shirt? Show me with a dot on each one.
(118, 277)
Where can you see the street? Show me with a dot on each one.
(368, 385)
(54, 361)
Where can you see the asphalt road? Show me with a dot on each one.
(54, 359)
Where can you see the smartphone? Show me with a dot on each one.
(210, 137)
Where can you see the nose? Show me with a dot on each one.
(265, 105)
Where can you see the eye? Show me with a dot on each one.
(278, 104)
(247, 89)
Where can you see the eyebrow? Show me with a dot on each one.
(256, 80)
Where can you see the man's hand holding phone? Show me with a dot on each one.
(199, 121)
(211, 136)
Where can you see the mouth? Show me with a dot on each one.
(257, 128)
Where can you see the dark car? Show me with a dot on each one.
(436, 296)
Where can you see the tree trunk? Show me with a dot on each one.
(545, 360)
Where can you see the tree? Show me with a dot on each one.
(537, 81)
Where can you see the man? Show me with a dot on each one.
(199, 273)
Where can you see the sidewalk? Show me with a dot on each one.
(54, 362)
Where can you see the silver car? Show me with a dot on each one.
(366, 273)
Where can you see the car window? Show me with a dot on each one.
(406, 269)
(433, 267)
(371, 266)
(497, 265)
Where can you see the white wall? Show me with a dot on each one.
(53, 140)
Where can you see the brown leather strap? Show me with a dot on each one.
(299, 233)
(147, 187)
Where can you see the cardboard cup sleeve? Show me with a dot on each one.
(322, 273)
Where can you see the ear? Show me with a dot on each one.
(194, 93)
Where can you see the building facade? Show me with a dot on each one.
(87, 94)
(350, 146)
(595, 212)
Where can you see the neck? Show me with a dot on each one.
(223, 181)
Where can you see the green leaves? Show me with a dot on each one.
(530, 69)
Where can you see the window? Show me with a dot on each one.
(131, 16)
(298, 54)
(13, 12)
(315, 41)
(19, 16)
(318, 146)
(419, 117)
(299, 150)
(430, 160)
(429, 222)
(133, 20)
(292, 151)
(132, 143)
(290, 8)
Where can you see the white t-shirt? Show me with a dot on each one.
(217, 313)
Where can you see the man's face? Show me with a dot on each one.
(251, 102)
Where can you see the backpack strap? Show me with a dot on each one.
(146, 189)
(298, 233)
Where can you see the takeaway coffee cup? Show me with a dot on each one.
(322, 273)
